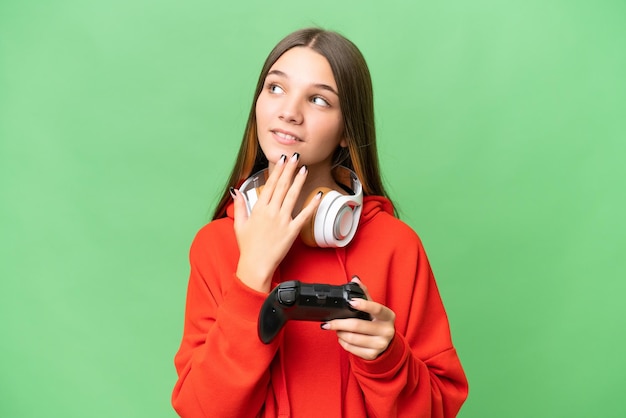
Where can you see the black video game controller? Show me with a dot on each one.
(294, 300)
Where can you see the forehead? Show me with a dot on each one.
(304, 65)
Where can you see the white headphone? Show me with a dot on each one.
(337, 217)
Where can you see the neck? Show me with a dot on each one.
(319, 175)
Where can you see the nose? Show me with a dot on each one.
(291, 111)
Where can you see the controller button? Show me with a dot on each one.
(321, 299)
(286, 296)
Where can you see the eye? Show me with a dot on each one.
(275, 89)
(320, 101)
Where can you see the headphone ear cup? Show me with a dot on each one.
(307, 234)
(251, 197)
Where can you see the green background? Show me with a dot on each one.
(502, 139)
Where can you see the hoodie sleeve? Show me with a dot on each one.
(419, 375)
(221, 363)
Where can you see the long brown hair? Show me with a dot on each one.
(356, 101)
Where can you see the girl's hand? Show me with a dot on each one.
(365, 339)
(265, 237)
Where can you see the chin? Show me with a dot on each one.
(274, 153)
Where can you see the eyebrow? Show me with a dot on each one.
(317, 85)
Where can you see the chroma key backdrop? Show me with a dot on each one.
(502, 132)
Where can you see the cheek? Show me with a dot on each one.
(258, 109)
(334, 129)
(264, 108)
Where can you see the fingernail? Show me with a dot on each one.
(295, 156)
(356, 279)
(354, 302)
(324, 325)
(282, 159)
(231, 190)
(319, 194)
(303, 169)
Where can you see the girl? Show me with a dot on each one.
(312, 121)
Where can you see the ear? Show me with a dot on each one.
(344, 142)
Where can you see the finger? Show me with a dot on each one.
(356, 325)
(376, 310)
(270, 184)
(360, 327)
(284, 182)
(363, 352)
(357, 280)
(362, 338)
(294, 189)
(373, 342)
(241, 212)
(308, 211)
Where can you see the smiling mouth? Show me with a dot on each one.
(286, 137)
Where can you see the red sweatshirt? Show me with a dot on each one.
(224, 370)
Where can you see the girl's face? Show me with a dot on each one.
(298, 110)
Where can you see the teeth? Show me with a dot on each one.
(287, 137)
